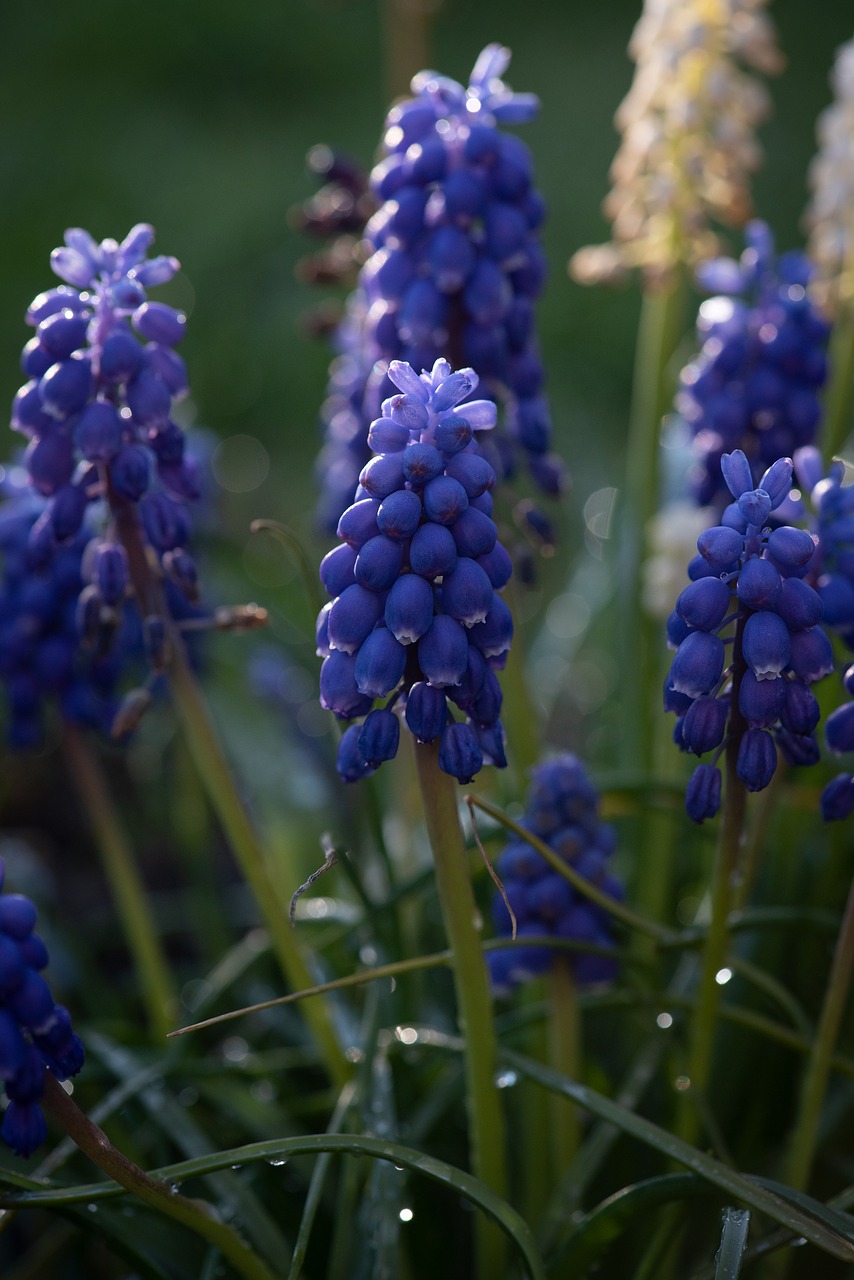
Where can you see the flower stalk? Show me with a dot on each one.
(129, 892)
(486, 1120)
(194, 1214)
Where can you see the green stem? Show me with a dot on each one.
(520, 715)
(226, 803)
(486, 1121)
(839, 400)
(805, 1137)
(723, 890)
(657, 335)
(194, 1214)
(222, 793)
(128, 890)
(564, 1057)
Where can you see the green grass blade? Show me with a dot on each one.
(733, 1241)
(804, 1216)
(456, 1180)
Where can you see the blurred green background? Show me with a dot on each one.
(197, 117)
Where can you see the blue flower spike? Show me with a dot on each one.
(562, 810)
(416, 618)
(455, 267)
(755, 599)
(35, 1033)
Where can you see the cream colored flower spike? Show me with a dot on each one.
(688, 126)
(830, 215)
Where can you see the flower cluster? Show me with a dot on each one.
(833, 574)
(562, 810)
(756, 383)
(455, 264)
(688, 125)
(752, 577)
(831, 178)
(40, 653)
(103, 374)
(35, 1033)
(415, 616)
(59, 641)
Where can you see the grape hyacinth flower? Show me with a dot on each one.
(759, 699)
(831, 180)
(103, 376)
(757, 381)
(54, 646)
(415, 616)
(454, 267)
(35, 1033)
(833, 574)
(562, 810)
(688, 127)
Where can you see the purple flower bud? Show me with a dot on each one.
(432, 551)
(98, 434)
(755, 507)
(409, 608)
(444, 500)
(110, 571)
(697, 665)
(720, 547)
(379, 563)
(472, 471)
(159, 323)
(66, 386)
(799, 605)
(400, 514)
(766, 644)
(704, 604)
(757, 759)
(703, 795)
(493, 636)
(760, 701)
(121, 357)
(350, 762)
(379, 738)
(359, 522)
(799, 749)
(149, 399)
(380, 663)
(338, 691)
(759, 584)
(467, 593)
(386, 436)
(474, 533)
(800, 712)
(704, 725)
(777, 481)
(737, 473)
(443, 652)
(336, 569)
(353, 616)
(812, 655)
(837, 799)
(383, 474)
(426, 711)
(459, 753)
(791, 549)
(24, 1128)
(62, 333)
(497, 565)
(421, 463)
(839, 729)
